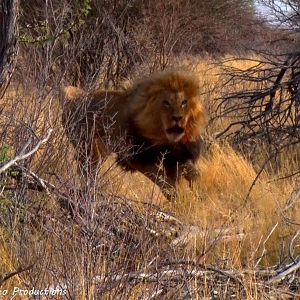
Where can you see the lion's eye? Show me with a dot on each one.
(184, 103)
(167, 103)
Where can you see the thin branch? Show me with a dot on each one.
(264, 244)
(9, 275)
(22, 156)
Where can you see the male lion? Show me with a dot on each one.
(154, 126)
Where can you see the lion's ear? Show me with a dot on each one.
(71, 92)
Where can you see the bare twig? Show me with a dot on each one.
(23, 155)
(264, 244)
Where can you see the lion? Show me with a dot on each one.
(154, 127)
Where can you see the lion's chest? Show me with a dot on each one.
(142, 152)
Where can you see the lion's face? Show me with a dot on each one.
(166, 108)
(174, 114)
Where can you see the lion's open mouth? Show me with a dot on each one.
(175, 133)
(175, 130)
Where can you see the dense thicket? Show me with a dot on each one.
(92, 37)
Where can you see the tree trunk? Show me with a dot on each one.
(8, 46)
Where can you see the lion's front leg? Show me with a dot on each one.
(157, 174)
(190, 172)
(186, 170)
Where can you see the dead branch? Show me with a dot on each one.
(190, 233)
(36, 183)
(169, 274)
(269, 109)
(22, 155)
(9, 275)
(292, 268)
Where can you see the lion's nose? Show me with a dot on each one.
(177, 118)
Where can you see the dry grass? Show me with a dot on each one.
(218, 200)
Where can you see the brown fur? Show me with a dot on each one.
(161, 113)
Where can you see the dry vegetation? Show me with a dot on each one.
(112, 231)
(231, 237)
